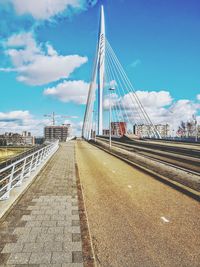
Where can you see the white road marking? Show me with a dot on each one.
(164, 219)
(129, 186)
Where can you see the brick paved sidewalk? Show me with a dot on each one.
(43, 227)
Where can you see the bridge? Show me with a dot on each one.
(103, 200)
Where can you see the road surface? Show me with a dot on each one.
(134, 219)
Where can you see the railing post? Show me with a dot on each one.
(42, 156)
(22, 174)
(30, 168)
(8, 188)
(36, 160)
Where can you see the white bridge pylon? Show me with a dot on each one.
(101, 70)
(126, 105)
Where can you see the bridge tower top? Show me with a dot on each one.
(101, 69)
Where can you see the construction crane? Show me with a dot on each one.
(53, 115)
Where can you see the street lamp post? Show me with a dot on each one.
(94, 126)
(196, 130)
(110, 116)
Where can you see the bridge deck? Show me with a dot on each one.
(43, 227)
(136, 220)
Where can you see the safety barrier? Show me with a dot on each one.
(13, 175)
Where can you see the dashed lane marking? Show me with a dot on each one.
(164, 219)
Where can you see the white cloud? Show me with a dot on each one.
(14, 115)
(23, 39)
(150, 99)
(74, 91)
(76, 127)
(159, 106)
(198, 97)
(21, 120)
(45, 9)
(37, 65)
(113, 99)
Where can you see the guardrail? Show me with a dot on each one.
(20, 156)
(13, 175)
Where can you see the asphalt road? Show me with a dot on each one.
(134, 219)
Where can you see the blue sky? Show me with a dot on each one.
(47, 52)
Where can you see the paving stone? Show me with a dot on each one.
(43, 206)
(19, 258)
(42, 217)
(72, 246)
(39, 230)
(51, 212)
(12, 248)
(50, 265)
(72, 229)
(56, 230)
(63, 237)
(72, 265)
(53, 246)
(58, 217)
(63, 223)
(45, 237)
(75, 208)
(77, 256)
(65, 211)
(38, 258)
(33, 247)
(75, 212)
(33, 208)
(76, 237)
(37, 200)
(24, 265)
(28, 217)
(61, 257)
(38, 212)
(27, 238)
(49, 224)
(33, 223)
(21, 230)
(75, 222)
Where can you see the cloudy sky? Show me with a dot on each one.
(47, 50)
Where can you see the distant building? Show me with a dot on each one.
(39, 140)
(144, 130)
(117, 128)
(17, 139)
(57, 132)
(198, 131)
(105, 131)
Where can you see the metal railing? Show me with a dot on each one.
(13, 175)
(20, 156)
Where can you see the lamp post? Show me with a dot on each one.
(196, 130)
(94, 126)
(110, 116)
